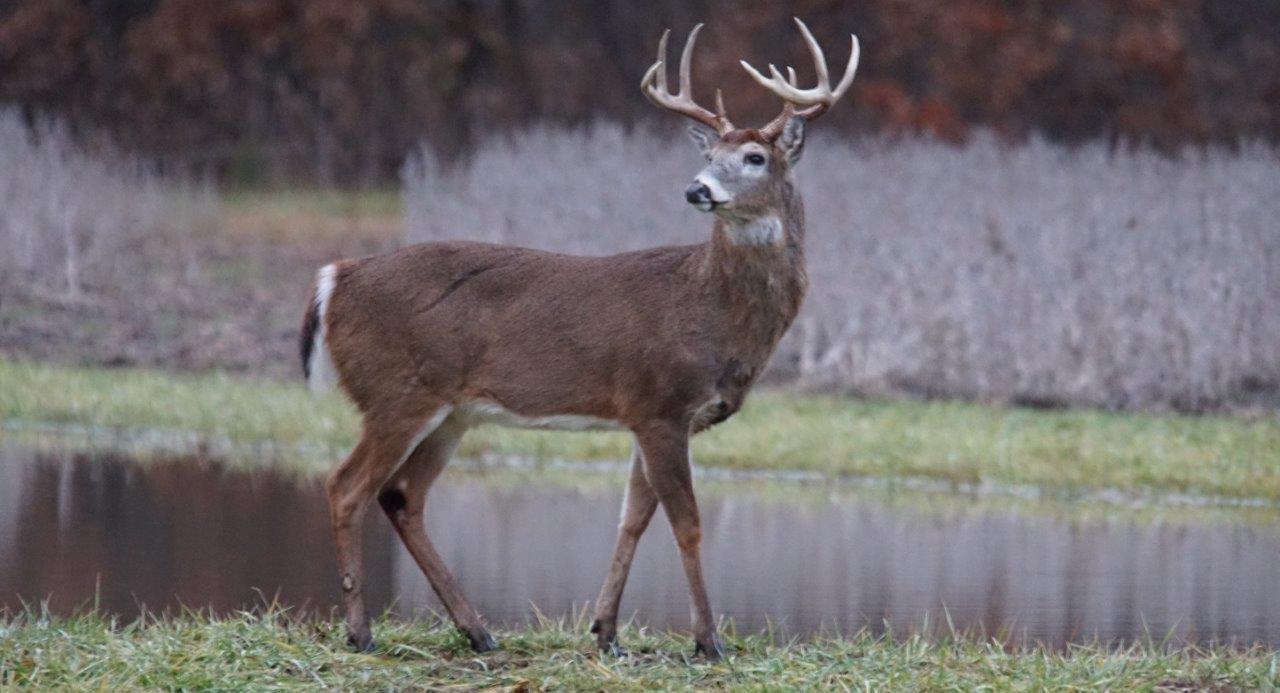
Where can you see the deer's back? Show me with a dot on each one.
(540, 333)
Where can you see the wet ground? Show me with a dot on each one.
(79, 530)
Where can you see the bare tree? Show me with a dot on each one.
(74, 222)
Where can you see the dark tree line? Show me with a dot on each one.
(338, 90)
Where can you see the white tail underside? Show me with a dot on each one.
(321, 374)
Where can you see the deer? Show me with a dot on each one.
(433, 339)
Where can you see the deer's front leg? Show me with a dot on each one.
(665, 448)
(637, 510)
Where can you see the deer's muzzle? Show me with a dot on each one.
(699, 195)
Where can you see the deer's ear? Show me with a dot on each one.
(705, 138)
(791, 141)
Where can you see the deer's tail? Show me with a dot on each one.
(317, 362)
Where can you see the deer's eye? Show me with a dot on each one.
(754, 159)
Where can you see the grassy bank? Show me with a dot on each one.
(269, 651)
(1062, 451)
(308, 215)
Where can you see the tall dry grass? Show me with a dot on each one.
(73, 222)
(1034, 274)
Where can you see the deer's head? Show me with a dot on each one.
(747, 168)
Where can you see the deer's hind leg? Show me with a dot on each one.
(403, 498)
(384, 444)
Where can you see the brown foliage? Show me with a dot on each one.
(339, 90)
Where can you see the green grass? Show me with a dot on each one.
(269, 651)
(346, 219)
(1064, 452)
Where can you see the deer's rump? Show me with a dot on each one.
(538, 334)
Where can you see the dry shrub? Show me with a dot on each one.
(1036, 274)
(74, 223)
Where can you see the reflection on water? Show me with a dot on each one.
(174, 533)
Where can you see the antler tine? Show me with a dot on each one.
(662, 57)
(816, 99)
(686, 63)
(850, 68)
(654, 86)
(819, 58)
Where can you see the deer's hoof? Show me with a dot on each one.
(710, 648)
(606, 638)
(611, 649)
(481, 641)
(360, 642)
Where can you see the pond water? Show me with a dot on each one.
(80, 529)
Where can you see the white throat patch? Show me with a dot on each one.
(759, 231)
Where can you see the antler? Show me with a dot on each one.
(814, 101)
(654, 86)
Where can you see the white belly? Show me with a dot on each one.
(484, 412)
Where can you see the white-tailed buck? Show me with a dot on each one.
(433, 339)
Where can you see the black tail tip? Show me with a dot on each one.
(307, 340)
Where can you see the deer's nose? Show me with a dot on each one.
(698, 192)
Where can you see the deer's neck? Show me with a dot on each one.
(754, 267)
(767, 243)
